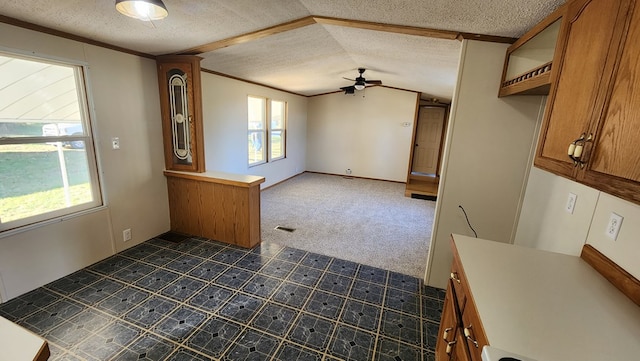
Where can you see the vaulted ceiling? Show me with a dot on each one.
(320, 42)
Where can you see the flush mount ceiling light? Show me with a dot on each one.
(145, 10)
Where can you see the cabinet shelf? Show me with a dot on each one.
(528, 66)
(534, 82)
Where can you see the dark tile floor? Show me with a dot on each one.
(202, 300)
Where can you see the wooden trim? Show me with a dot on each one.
(535, 82)
(358, 24)
(251, 82)
(282, 181)
(396, 88)
(254, 35)
(615, 274)
(62, 34)
(389, 28)
(355, 177)
(416, 116)
(237, 180)
(489, 38)
(44, 353)
(368, 86)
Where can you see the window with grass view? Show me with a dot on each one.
(266, 125)
(47, 160)
(276, 129)
(257, 129)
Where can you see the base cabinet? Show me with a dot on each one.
(461, 336)
(451, 344)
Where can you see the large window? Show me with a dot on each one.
(257, 130)
(266, 129)
(276, 129)
(47, 161)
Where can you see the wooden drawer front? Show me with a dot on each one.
(459, 284)
(473, 332)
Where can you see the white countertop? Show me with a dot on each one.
(17, 343)
(548, 306)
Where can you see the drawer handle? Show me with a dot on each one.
(467, 334)
(445, 334)
(449, 347)
(454, 276)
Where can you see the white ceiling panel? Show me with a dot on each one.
(403, 61)
(510, 18)
(307, 60)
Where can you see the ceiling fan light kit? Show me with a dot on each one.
(145, 10)
(360, 83)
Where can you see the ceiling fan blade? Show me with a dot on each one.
(374, 82)
(348, 79)
(349, 89)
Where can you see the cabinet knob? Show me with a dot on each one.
(454, 276)
(468, 335)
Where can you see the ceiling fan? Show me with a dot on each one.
(360, 83)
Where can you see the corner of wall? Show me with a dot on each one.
(2, 290)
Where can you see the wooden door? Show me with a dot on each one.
(614, 165)
(428, 138)
(591, 32)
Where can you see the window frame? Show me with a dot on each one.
(267, 131)
(283, 130)
(85, 102)
(263, 131)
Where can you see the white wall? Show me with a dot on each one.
(362, 132)
(544, 224)
(487, 157)
(224, 105)
(126, 104)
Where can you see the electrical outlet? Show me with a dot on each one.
(126, 234)
(613, 227)
(115, 143)
(571, 203)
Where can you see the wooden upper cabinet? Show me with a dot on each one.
(181, 105)
(595, 101)
(613, 162)
(529, 63)
(591, 37)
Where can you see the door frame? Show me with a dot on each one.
(419, 106)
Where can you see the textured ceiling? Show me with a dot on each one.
(308, 60)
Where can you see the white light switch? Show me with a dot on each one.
(571, 203)
(115, 143)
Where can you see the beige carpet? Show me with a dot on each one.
(365, 221)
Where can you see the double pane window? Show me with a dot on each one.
(47, 160)
(266, 129)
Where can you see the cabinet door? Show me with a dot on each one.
(473, 332)
(180, 101)
(449, 328)
(614, 164)
(592, 31)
